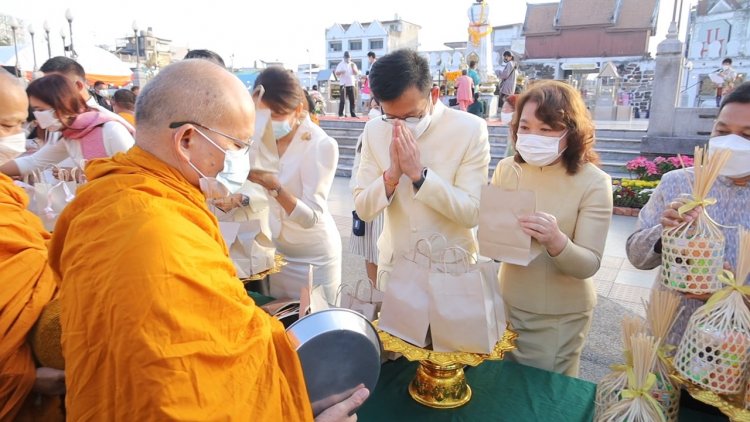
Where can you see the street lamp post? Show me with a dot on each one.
(33, 46)
(14, 27)
(137, 46)
(309, 70)
(62, 35)
(69, 18)
(46, 37)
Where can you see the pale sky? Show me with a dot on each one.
(266, 30)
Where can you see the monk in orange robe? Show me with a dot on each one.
(26, 282)
(156, 325)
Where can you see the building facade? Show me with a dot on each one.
(717, 29)
(380, 37)
(152, 51)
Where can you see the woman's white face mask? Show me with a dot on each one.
(539, 150)
(48, 120)
(738, 165)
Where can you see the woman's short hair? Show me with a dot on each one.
(561, 107)
(60, 93)
(283, 93)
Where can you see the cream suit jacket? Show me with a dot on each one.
(456, 151)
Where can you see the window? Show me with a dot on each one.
(376, 44)
(358, 62)
(334, 46)
(332, 64)
(355, 45)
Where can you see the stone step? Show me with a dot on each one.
(617, 155)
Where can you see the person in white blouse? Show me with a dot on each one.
(87, 133)
(303, 228)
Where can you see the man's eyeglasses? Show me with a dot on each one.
(411, 119)
(239, 142)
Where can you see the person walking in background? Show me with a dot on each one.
(123, 103)
(728, 76)
(100, 95)
(477, 107)
(550, 301)
(507, 77)
(346, 71)
(474, 75)
(464, 90)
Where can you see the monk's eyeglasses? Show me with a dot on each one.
(239, 142)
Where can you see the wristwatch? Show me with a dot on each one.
(244, 201)
(418, 183)
(275, 191)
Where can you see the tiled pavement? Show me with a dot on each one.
(617, 279)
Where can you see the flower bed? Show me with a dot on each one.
(630, 195)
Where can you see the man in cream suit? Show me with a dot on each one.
(423, 163)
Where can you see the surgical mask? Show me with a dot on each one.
(12, 146)
(419, 127)
(48, 120)
(738, 165)
(281, 128)
(232, 176)
(726, 66)
(538, 150)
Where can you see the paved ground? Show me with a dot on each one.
(620, 286)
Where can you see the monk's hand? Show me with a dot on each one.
(408, 153)
(671, 217)
(49, 381)
(543, 227)
(264, 178)
(344, 411)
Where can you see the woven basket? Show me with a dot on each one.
(693, 256)
(715, 350)
(667, 391)
(608, 391)
(45, 337)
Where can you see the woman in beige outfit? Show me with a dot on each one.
(550, 302)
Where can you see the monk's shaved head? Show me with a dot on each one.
(202, 102)
(14, 104)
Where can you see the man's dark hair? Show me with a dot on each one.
(741, 94)
(314, 87)
(727, 61)
(98, 83)
(472, 64)
(346, 54)
(64, 66)
(207, 55)
(371, 54)
(476, 96)
(124, 98)
(134, 88)
(507, 53)
(396, 72)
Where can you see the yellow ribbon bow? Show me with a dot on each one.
(664, 351)
(727, 277)
(644, 391)
(695, 203)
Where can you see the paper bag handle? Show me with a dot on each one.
(464, 257)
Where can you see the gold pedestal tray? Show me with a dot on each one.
(278, 263)
(440, 381)
(731, 406)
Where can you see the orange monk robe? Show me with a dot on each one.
(26, 285)
(156, 325)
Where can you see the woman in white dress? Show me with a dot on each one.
(303, 228)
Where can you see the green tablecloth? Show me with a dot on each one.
(259, 299)
(502, 391)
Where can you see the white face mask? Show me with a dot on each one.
(738, 165)
(12, 146)
(538, 150)
(231, 177)
(281, 128)
(418, 128)
(506, 117)
(48, 120)
(725, 67)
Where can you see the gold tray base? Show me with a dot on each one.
(440, 382)
(440, 386)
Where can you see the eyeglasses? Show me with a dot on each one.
(238, 142)
(410, 119)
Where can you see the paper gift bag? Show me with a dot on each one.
(363, 297)
(406, 302)
(489, 270)
(49, 200)
(462, 307)
(500, 236)
(252, 252)
(311, 297)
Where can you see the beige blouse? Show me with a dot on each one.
(582, 205)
